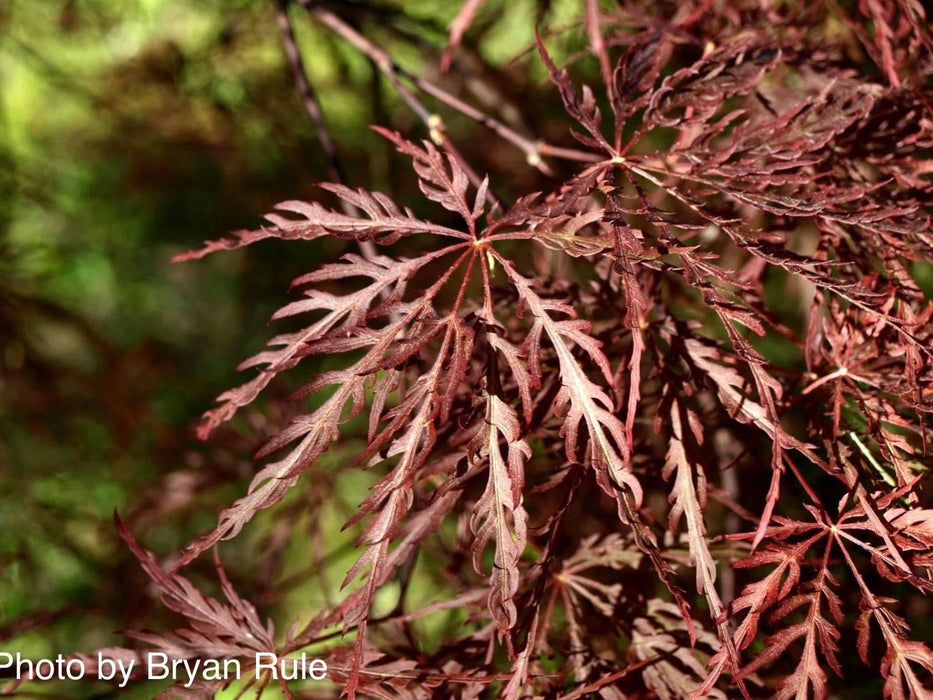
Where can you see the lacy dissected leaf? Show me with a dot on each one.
(901, 36)
(499, 512)
(343, 326)
(458, 27)
(693, 94)
(731, 389)
(591, 578)
(903, 656)
(563, 234)
(380, 564)
(688, 498)
(638, 69)
(442, 180)
(676, 672)
(392, 496)
(895, 537)
(342, 329)
(584, 109)
(386, 223)
(583, 399)
(820, 635)
(761, 596)
(216, 629)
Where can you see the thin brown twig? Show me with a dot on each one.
(313, 108)
(382, 59)
(611, 678)
(391, 71)
(533, 149)
(306, 91)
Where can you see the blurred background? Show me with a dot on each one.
(131, 131)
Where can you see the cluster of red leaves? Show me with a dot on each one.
(541, 370)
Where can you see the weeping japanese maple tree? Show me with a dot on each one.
(655, 428)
